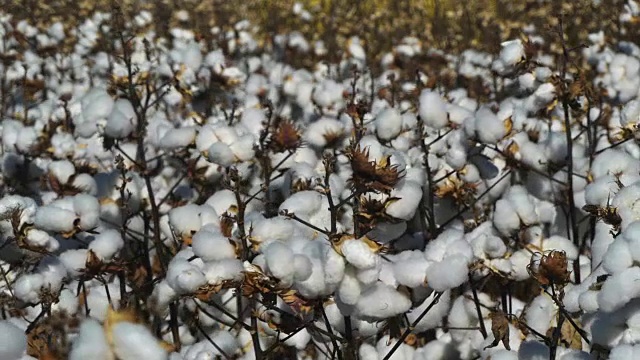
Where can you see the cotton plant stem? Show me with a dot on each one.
(413, 325)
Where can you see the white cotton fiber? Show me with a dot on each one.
(91, 342)
(221, 154)
(619, 289)
(388, 124)
(434, 316)
(135, 341)
(302, 266)
(381, 301)
(512, 52)
(51, 218)
(62, 170)
(185, 220)
(211, 246)
(228, 269)
(13, 342)
(350, 288)
(280, 261)
(359, 254)
(448, 273)
(122, 120)
(410, 195)
(618, 257)
(410, 268)
(433, 110)
(107, 244)
(178, 138)
(489, 128)
(88, 208)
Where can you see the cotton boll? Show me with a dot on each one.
(211, 246)
(97, 104)
(358, 253)
(62, 170)
(381, 301)
(433, 110)
(227, 269)
(221, 154)
(88, 208)
(540, 313)
(317, 131)
(13, 342)
(434, 316)
(185, 220)
(350, 288)
(388, 124)
(122, 120)
(512, 52)
(50, 218)
(90, 343)
(448, 273)
(178, 138)
(135, 341)
(618, 257)
(505, 217)
(410, 267)
(410, 195)
(183, 276)
(280, 262)
(489, 129)
(107, 244)
(619, 289)
(74, 260)
(302, 266)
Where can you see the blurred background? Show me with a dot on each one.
(449, 25)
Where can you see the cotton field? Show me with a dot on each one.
(242, 193)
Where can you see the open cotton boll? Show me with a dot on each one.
(318, 130)
(381, 301)
(62, 170)
(227, 269)
(488, 127)
(350, 288)
(74, 260)
(96, 104)
(51, 218)
(27, 287)
(359, 254)
(302, 266)
(410, 195)
(540, 313)
(184, 277)
(410, 267)
(178, 138)
(433, 110)
(280, 261)
(185, 220)
(91, 342)
(122, 120)
(449, 273)
(242, 148)
(505, 217)
(210, 246)
(135, 341)
(388, 124)
(107, 244)
(434, 316)
(619, 289)
(221, 154)
(13, 342)
(512, 52)
(88, 208)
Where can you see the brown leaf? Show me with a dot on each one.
(500, 330)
